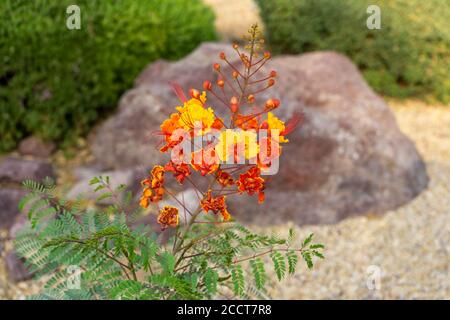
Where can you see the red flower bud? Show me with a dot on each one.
(235, 74)
(264, 125)
(251, 98)
(267, 55)
(216, 66)
(234, 104)
(222, 55)
(272, 103)
(270, 83)
(273, 73)
(194, 93)
(220, 83)
(207, 85)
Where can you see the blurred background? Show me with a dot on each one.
(369, 173)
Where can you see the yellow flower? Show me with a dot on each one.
(275, 123)
(193, 113)
(237, 142)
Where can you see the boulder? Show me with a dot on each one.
(130, 178)
(348, 158)
(125, 140)
(16, 170)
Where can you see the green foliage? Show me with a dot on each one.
(56, 82)
(115, 261)
(408, 56)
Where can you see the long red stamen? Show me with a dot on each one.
(179, 92)
(292, 123)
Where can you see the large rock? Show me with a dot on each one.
(125, 140)
(16, 170)
(348, 158)
(130, 178)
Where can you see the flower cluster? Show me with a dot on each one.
(231, 152)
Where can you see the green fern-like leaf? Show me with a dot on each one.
(279, 264)
(292, 259)
(210, 278)
(259, 273)
(237, 277)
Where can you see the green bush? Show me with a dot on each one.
(56, 82)
(408, 56)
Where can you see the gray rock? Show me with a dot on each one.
(9, 201)
(348, 158)
(124, 140)
(34, 146)
(16, 170)
(129, 177)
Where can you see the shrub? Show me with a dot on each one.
(208, 253)
(56, 82)
(408, 56)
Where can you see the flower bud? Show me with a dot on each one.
(235, 46)
(207, 85)
(273, 73)
(220, 83)
(272, 103)
(235, 74)
(216, 66)
(265, 125)
(234, 104)
(194, 93)
(251, 98)
(270, 83)
(267, 55)
(222, 55)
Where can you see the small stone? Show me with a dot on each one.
(9, 201)
(16, 268)
(34, 146)
(16, 170)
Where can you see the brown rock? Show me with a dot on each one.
(15, 170)
(34, 146)
(125, 140)
(348, 158)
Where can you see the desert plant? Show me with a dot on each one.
(56, 82)
(408, 56)
(208, 254)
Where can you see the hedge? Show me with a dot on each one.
(55, 82)
(408, 56)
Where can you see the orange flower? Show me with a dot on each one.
(251, 182)
(216, 205)
(167, 128)
(180, 171)
(153, 191)
(224, 178)
(217, 124)
(246, 122)
(168, 217)
(205, 161)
